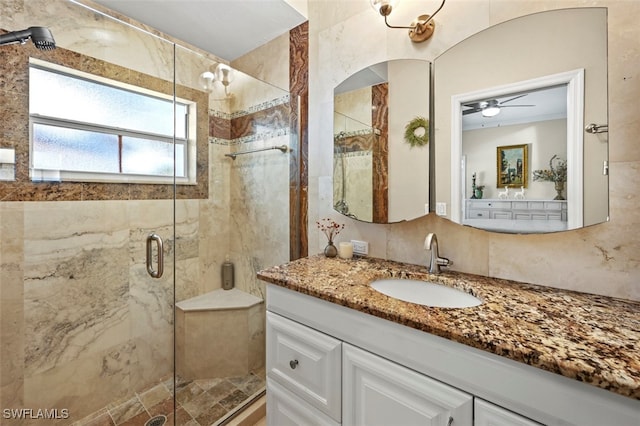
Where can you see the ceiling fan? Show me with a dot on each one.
(491, 107)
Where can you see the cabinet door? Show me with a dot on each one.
(376, 391)
(487, 414)
(286, 409)
(305, 362)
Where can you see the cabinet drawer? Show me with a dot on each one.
(522, 216)
(554, 206)
(478, 214)
(501, 215)
(306, 362)
(285, 408)
(489, 204)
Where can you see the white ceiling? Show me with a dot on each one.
(226, 28)
(548, 104)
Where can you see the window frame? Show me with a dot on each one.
(189, 143)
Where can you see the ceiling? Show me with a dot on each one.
(226, 28)
(548, 104)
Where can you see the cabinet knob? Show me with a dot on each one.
(293, 364)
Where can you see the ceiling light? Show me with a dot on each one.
(420, 30)
(491, 111)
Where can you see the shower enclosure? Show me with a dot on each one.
(88, 335)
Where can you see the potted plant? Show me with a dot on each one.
(556, 173)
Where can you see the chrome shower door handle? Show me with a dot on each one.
(150, 239)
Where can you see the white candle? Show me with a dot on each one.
(345, 250)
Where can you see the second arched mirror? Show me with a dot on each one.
(512, 113)
(381, 142)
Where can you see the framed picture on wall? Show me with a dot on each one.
(512, 166)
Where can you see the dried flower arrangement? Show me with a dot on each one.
(329, 228)
(557, 173)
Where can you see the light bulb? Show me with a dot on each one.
(224, 74)
(384, 7)
(206, 80)
(491, 111)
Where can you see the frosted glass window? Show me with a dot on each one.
(103, 130)
(150, 157)
(58, 148)
(67, 97)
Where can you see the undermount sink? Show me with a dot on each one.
(425, 293)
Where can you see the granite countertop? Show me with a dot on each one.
(590, 338)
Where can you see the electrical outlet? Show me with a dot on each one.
(360, 248)
(441, 209)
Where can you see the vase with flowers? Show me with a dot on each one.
(330, 230)
(556, 173)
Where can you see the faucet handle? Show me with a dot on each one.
(443, 261)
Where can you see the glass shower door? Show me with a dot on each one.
(86, 333)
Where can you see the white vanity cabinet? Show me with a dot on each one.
(376, 391)
(307, 363)
(357, 369)
(516, 210)
(310, 373)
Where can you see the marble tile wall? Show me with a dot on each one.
(79, 313)
(14, 127)
(601, 259)
(284, 62)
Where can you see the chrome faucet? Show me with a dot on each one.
(435, 261)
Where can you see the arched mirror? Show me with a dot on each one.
(381, 142)
(515, 108)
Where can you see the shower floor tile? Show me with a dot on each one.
(199, 402)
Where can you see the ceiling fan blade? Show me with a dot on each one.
(471, 111)
(513, 99)
(512, 106)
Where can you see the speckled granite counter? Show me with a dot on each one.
(590, 338)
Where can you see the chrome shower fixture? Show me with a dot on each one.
(41, 37)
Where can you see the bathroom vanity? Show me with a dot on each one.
(338, 352)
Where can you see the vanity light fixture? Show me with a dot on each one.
(222, 73)
(420, 30)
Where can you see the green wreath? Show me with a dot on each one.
(410, 132)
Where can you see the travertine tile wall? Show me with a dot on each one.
(604, 259)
